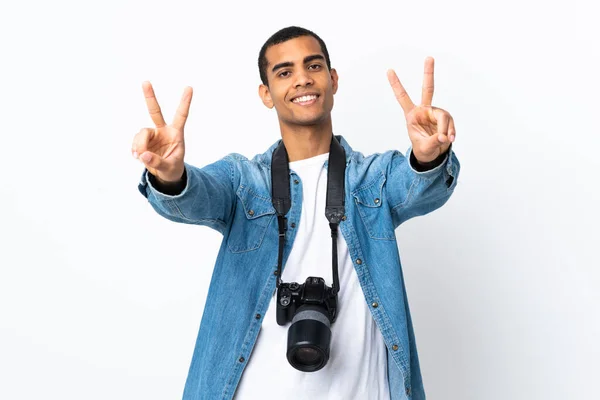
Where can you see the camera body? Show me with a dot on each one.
(313, 293)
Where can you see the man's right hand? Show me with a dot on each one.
(162, 148)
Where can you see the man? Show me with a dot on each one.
(241, 349)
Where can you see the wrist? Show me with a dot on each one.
(428, 161)
(422, 165)
(168, 187)
(163, 182)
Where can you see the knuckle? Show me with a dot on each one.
(141, 138)
(140, 134)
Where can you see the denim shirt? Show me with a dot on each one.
(233, 196)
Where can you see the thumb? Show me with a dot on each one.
(151, 160)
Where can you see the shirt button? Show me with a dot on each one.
(395, 347)
(358, 261)
(376, 201)
(296, 181)
(375, 305)
(293, 225)
(251, 212)
(408, 391)
(242, 359)
(258, 317)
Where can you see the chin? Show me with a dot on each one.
(308, 120)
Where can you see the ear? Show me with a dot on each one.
(334, 80)
(265, 95)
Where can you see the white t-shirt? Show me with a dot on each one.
(357, 366)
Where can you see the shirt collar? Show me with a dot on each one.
(265, 158)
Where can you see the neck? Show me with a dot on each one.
(303, 142)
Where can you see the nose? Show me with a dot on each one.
(303, 79)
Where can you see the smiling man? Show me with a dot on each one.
(299, 83)
(307, 298)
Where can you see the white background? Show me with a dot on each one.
(101, 298)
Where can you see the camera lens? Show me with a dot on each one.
(307, 356)
(309, 337)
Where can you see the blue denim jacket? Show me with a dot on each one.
(233, 196)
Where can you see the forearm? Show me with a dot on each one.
(416, 191)
(204, 196)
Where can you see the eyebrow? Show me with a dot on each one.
(307, 59)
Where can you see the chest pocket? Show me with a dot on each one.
(373, 209)
(253, 216)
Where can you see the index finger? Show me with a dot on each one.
(399, 91)
(183, 110)
(153, 106)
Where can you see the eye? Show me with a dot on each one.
(283, 74)
(314, 66)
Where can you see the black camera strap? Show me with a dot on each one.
(334, 209)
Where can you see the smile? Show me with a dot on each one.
(305, 100)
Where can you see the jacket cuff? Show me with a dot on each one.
(148, 184)
(431, 166)
(448, 167)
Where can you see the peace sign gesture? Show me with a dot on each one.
(162, 148)
(431, 129)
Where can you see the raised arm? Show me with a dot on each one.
(424, 179)
(176, 190)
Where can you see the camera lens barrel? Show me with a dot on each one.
(309, 338)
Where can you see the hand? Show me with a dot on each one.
(162, 149)
(431, 129)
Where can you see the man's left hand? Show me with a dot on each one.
(431, 129)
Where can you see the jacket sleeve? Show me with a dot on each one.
(208, 197)
(413, 192)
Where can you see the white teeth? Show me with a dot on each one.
(304, 98)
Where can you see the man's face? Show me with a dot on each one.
(301, 88)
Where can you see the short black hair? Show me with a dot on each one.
(283, 35)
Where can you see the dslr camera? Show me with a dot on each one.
(311, 308)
